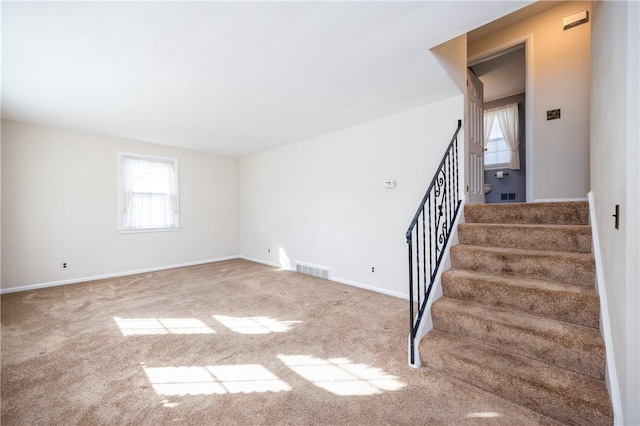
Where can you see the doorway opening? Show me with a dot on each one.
(503, 75)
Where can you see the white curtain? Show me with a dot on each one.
(507, 117)
(149, 193)
(488, 122)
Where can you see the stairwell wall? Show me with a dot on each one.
(615, 163)
(322, 201)
(560, 79)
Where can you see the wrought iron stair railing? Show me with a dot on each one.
(429, 233)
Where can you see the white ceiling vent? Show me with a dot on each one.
(314, 270)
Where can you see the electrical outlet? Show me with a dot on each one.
(373, 269)
(65, 265)
(268, 250)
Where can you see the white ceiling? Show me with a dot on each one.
(504, 75)
(226, 77)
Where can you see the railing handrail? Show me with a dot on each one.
(433, 181)
(438, 210)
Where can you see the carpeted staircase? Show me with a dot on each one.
(520, 313)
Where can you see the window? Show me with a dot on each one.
(501, 138)
(498, 153)
(147, 193)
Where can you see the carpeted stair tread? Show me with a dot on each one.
(494, 412)
(519, 316)
(564, 302)
(576, 348)
(562, 395)
(556, 266)
(557, 213)
(568, 238)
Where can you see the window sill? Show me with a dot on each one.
(497, 166)
(147, 230)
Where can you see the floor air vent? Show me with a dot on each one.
(508, 196)
(314, 270)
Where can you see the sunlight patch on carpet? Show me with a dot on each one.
(255, 325)
(169, 404)
(341, 376)
(143, 326)
(214, 380)
(485, 414)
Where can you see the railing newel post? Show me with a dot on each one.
(411, 316)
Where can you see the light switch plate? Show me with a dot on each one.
(553, 114)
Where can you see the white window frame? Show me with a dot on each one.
(496, 165)
(176, 167)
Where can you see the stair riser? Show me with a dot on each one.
(530, 238)
(557, 348)
(564, 269)
(570, 213)
(569, 306)
(556, 403)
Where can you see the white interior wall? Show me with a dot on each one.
(561, 79)
(59, 204)
(633, 212)
(452, 55)
(614, 180)
(322, 200)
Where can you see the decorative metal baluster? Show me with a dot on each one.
(441, 202)
(424, 251)
(432, 247)
(449, 209)
(455, 160)
(418, 263)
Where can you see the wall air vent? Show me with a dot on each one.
(314, 270)
(575, 19)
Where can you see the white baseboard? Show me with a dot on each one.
(181, 265)
(264, 262)
(372, 288)
(557, 200)
(605, 324)
(336, 279)
(112, 275)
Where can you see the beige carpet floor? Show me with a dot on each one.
(233, 343)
